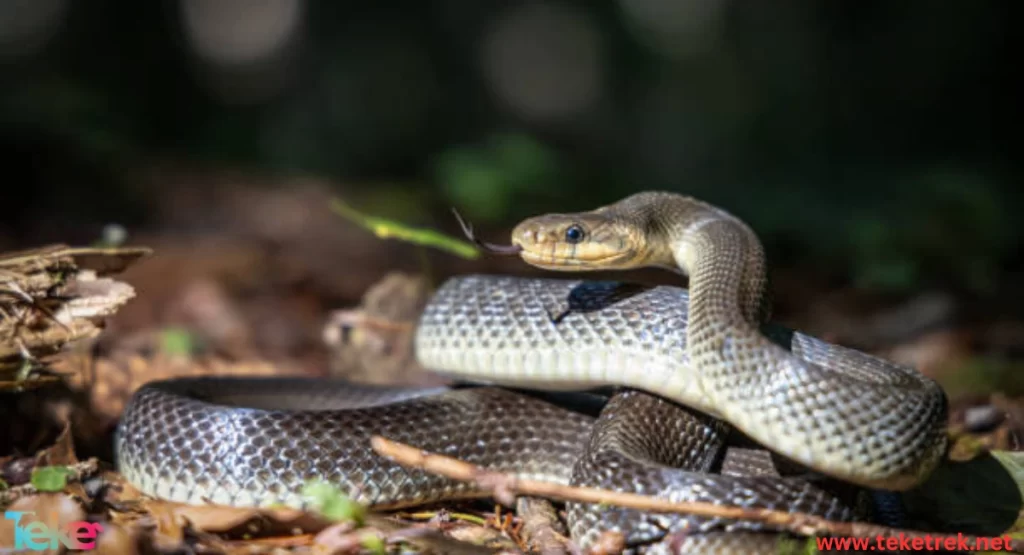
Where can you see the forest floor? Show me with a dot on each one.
(274, 282)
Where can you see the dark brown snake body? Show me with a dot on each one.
(834, 411)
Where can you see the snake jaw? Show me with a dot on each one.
(569, 264)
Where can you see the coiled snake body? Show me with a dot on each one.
(830, 410)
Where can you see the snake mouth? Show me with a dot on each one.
(546, 261)
(504, 250)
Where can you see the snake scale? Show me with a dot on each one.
(694, 370)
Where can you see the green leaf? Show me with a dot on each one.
(333, 503)
(982, 496)
(472, 180)
(51, 478)
(1013, 463)
(525, 163)
(487, 179)
(388, 229)
(797, 546)
(177, 341)
(373, 543)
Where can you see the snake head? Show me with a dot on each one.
(579, 242)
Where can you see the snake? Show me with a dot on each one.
(687, 394)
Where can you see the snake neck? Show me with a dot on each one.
(723, 258)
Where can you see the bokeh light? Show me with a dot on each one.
(544, 60)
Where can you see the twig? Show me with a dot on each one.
(18, 293)
(504, 485)
(542, 530)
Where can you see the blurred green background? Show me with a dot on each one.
(875, 139)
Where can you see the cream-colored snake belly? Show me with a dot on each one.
(836, 411)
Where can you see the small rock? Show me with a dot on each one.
(982, 418)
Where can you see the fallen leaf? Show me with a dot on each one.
(177, 342)
(373, 543)
(116, 540)
(233, 521)
(490, 538)
(331, 502)
(106, 261)
(51, 478)
(983, 496)
(61, 453)
(338, 538)
(120, 490)
(169, 530)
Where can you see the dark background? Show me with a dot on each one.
(872, 144)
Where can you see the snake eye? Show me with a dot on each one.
(574, 234)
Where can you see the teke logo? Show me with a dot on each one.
(37, 536)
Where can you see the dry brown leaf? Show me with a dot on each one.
(344, 538)
(106, 261)
(169, 529)
(111, 381)
(610, 543)
(121, 491)
(93, 298)
(374, 343)
(61, 453)
(234, 521)
(481, 536)
(277, 543)
(341, 538)
(116, 540)
(52, 296)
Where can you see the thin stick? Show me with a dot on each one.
(503, 485)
